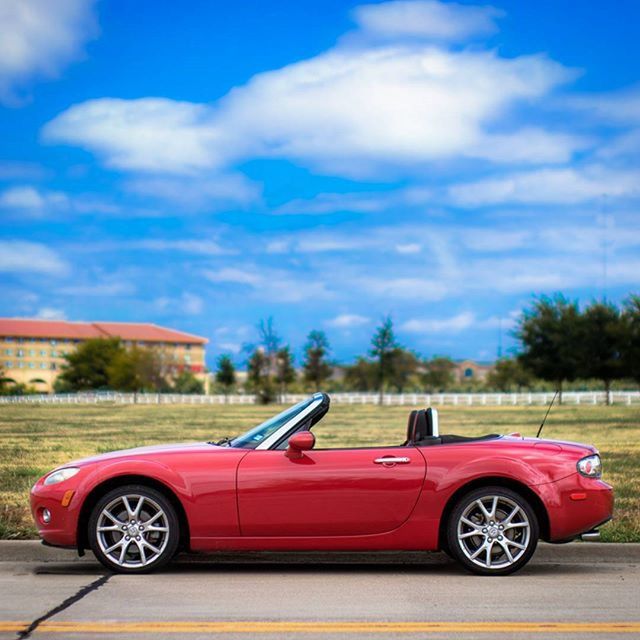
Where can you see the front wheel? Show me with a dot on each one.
(492, 531)
(133, 529)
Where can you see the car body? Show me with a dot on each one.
(269, 489)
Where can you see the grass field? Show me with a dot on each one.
(34, 438)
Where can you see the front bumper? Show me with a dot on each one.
(577, 505)
(61, 530)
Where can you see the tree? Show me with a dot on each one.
(507, 374)
(404, 366)
(603, 344)
(550, 335)
(285, 373)
(87, 367)
(187, 383)
(361, 376)
(439, 373)
(316, 368)
(259, 379)
(631, 327)
(136, 369)
(383, 346)
(226, 374)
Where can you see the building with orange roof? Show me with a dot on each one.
(32, 351)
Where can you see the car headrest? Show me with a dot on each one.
(411, 425)
(421, 430)
(433, 428)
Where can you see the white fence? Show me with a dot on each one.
(395, 399)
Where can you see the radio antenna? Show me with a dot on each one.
(546, 414)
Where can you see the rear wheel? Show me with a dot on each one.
(492, 531)
(133, 529)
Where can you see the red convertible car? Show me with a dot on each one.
(485, 501)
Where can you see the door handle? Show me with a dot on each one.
(391, 460)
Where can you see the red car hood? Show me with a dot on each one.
(151, 451)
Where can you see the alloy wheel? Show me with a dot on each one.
(132, 530)
(494, 532)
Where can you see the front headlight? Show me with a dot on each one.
(60, 475)
(591, 466)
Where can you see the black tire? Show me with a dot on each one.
(146, 549)
(499, 545)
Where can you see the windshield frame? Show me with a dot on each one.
(315, 401)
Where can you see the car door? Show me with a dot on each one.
(328, 492)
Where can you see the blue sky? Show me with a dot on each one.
(324, 163)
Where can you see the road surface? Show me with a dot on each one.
(569, 591)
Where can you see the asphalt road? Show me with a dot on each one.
(577, 590)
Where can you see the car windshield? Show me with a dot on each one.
(253, 438)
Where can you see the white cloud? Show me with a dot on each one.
(347, 321)
(354, 110)
(106, 288)
(30, 257)
(622, 107)
(273, 285)
(409, 248)
(548, 186)
(196, 247)
(454, 324)
(426, 18)
(32, 201)
(149, 134)
(407, 287)
(51, 313)
(39, 38)
(187, 303)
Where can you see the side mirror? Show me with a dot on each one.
(299, 442)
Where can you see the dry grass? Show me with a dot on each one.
(33, 439)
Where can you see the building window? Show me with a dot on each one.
(54, 341)
(468, 373)
(141, 343)
(32, 352)
(20, 365)
(54, 353)
(8, 352)
(187, 347)
(8, 364)
(43, 353)
(8, 339)
(20, 353)
(54, 366)
(187, 358)
(43, 365)
(32, 365)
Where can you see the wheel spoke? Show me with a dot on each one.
(494, 508)
(510, 517)
(123, 552)
(143, 555)
(506, 550)
(154, 528)
(152, 519)
(469, 534)
(136, 513)
(515, 544)
(146, 543)
(113, 527)
(488, 554)
(113, 547)
(515, 525)
(127, 506)
(111, 517)
(485, 513)
(478, 551)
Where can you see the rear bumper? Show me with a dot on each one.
(576, 505)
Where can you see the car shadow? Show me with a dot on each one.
(427, 563)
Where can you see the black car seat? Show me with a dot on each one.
(411, 425)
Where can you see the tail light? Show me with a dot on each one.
(591, 466)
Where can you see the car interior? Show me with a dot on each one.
(423, 431)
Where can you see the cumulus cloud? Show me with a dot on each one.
(51, 313)
(39, 38)
(347, 321)
(362, 109)
(548, 186)
(427, 19)
(454, 324)
(17, 256)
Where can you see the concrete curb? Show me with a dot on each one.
(575, 552)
